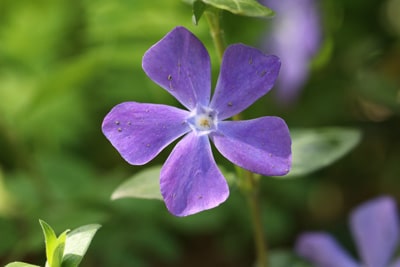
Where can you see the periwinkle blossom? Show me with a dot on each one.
(295, 37)
(375, 228)
(190, 180)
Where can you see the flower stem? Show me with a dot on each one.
(254, 204)
(216, 31)
(248, 182)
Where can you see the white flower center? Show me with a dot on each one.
(202, 120)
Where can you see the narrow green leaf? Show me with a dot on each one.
(62, 237)
(58, 255)
(20, 264)
(145, 184)
(50, 240)
(249, 8)
(198, 10)
(77, 243)
(58, 252)
(314, 149)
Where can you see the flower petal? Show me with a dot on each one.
(323, 251)
(246, 75)
(375, 228)
(140, 131)
(261, 145)
(396, 263)
(190, 179)
(180, 64)
(294, 20)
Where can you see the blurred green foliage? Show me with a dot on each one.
(64, 64)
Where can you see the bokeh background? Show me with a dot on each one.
(65, 64)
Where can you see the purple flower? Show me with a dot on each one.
(190, 180)
(295, 37)
(375, 229)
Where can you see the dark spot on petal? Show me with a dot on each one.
(117, 122)
(251, 60)
(230, 104)
(170, 77)
(119, 129)
(263, 73)
(129, 123)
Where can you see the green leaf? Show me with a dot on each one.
(54, 246)
(249, 8)
(77, 243)
(313, 149)
(59, 250)
(20, 264)
(57, 255)
(198, 10)
(144, 184)
(50, 240)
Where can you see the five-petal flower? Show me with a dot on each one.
(190, 180)
(375, 228)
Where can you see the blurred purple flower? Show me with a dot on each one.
(295, 38)
(190, 180)
(375, 228)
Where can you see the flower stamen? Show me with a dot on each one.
(202, 120)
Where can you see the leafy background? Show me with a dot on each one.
(64, 64)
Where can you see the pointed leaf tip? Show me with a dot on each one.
(198, 9)
(50, 240)
(314, 149)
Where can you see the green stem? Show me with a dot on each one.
(258, 230)
(216, 31)
(248, 183)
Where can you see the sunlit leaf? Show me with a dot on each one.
(313, 149)
(77, 243)
(54, 246)
(145, 184)
(50, 239)
(249, 8)
(58, 255)
(59, 250)
(20, 264)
